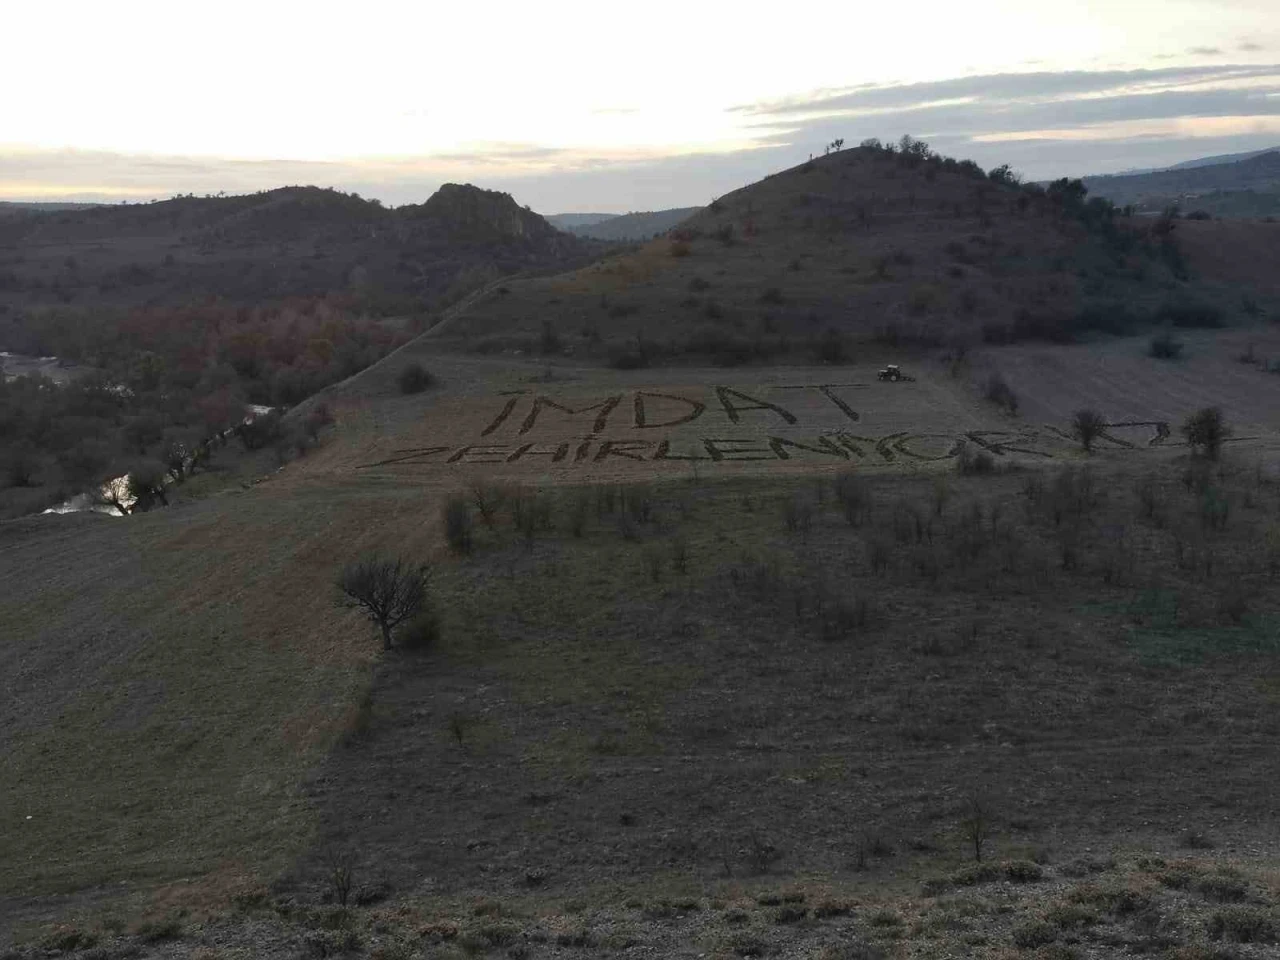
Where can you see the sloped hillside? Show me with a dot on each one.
(862, 245)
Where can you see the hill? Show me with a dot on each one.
(861, 249)
(632, 226)
(1220, 158)
(1247, 187)
(293, 241)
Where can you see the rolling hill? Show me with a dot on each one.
(293, 241)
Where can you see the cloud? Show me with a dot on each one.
(1248, 46)
(1205, 51)
(981, 116)
(1045, 124)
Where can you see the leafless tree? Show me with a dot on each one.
(389, 591)
(977, 825)
(1087, 425)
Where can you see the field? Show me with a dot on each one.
(796, 660)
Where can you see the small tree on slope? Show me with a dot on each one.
(1087, 425)
(389, 591)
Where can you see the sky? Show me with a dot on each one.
(609, 107)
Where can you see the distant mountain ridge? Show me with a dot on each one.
(1248, 187)
(569, 221)
(22, 206)
(622, 227)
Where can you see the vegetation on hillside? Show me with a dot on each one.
(879, 246)
(164, 384)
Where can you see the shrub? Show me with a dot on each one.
(1165, 347)
(630, 357)
(772, 295)
(1190, 314)
(1034, 933)
(261, 431)
(853, 495)
(832, 347)
(1206, 430)
(1087, 425)
(998, 391)
(317, 419)
(457, 524)
(415, 378)
(549, 341)
(971, 462)
(1244, 925)
(1223, 889)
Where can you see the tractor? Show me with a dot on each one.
(894, 373)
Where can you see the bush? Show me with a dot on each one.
(1190, 315)
(415, 378)
(832, 347)
(1035, 933)
(1244, 925)
(457, 524)
(1165, 347)
(632, 357)
(970, 462)
(772, 295)
(317, 419)
(261, 431)
(549, 341)
(1087, 426)
(999, 392)
(1206, 430)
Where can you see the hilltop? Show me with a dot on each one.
(292, 241)
(862, 248)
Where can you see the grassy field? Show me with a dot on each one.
(752, 717)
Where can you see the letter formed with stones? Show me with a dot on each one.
(605, 407)
(733, 410)
(641, 418)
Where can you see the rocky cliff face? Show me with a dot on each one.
(477, 214)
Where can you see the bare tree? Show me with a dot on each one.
(146, 485)
(1087, 426)
(1206, 429)
(113, 493)
(339, 873)
(389, 591)
(977, 826)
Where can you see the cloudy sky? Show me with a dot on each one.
(603, 106)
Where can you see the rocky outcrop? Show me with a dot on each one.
(476, 214)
